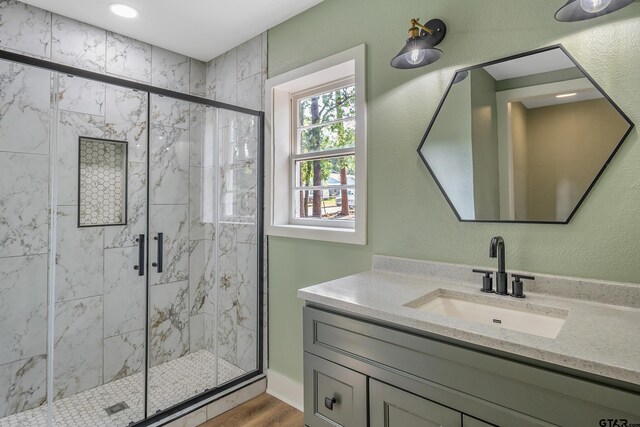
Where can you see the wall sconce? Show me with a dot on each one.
(579, 10)
(419, 49)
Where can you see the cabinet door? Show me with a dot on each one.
(392, 407)
(333, 395)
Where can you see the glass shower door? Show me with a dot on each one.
(100, 282)
(129, 278)
(181, 355)
(203, 279)
(72, 208)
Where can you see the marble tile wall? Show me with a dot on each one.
(24, 229)
(99, 327)
(237, 77)
(36, 32)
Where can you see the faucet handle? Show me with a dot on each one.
(487, 281)
(517, 286)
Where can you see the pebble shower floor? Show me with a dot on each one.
(169, 383)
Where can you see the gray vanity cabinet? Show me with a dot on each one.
(392, 407)
(360, 372)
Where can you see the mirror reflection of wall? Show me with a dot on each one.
(552, 138)
(450, 149)
(522, 139)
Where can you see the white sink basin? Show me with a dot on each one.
(515, 315)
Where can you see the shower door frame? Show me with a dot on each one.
(203, 398)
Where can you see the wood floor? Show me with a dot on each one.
(262, 411)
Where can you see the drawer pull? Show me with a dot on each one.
(329, 402)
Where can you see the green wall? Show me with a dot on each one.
(449, 151)
(408, 216)
(484, 118)
(520, 156)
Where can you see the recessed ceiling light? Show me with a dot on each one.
(123, 10)
(566, 95)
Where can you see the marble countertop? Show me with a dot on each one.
(598, 338)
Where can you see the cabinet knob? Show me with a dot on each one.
(329, 402)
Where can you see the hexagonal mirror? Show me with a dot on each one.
(522, 139)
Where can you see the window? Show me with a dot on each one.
(316, 152)
(323, 155)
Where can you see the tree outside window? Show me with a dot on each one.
(324, 156)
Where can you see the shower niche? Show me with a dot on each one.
(129, 269)
(102, 182)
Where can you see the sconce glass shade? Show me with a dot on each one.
(416, 53)
(579, 10)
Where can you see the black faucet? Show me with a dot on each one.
(496, 249)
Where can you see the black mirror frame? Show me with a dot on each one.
(508, 58)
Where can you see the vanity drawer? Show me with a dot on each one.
(392, 407)
(496, 389)
(468, 421)
(333, 395)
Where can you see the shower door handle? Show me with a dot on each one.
(160, 240)
(140, 266)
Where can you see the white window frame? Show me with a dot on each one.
(279, 139)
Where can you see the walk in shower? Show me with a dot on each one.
(130, 236)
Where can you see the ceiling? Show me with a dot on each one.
(551, 60)
(543, 62)
(201, 29)
(548, 100)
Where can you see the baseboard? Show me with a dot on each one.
(284, 388)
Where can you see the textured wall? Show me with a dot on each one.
(408, 216)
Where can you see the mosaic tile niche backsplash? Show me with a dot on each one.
(206, 300)
(103, 182)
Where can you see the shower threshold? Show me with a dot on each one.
(169, 383)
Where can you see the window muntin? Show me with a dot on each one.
(323, 155)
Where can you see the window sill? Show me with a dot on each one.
(327, 234)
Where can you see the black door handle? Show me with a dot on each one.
(140, 266)
(329, 402)
(158, 264)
